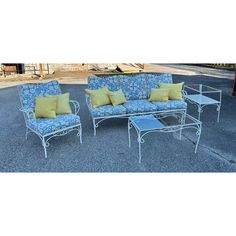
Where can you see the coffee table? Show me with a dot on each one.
(163, 122)
(199, 95)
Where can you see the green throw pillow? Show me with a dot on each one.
(99, 97)
(117, 97)
(45, 107)
(63, 104)
(159, 95)
(175, 90)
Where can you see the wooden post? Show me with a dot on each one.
(41, 70)
(234, 88)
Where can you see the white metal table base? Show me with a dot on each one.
(170, 129)
(201, 100)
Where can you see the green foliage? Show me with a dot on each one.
(218, 66)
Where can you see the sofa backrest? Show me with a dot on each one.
(28, 92)
(154, 79)
(134, 86)
(112, 82)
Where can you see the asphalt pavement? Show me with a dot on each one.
(109, 151)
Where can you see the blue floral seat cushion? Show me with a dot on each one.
(46, 126)
(136, 106)
(153, 80)
(108, 110)
(172, 104)
(112, 82)
(134, 87)
(28, 92)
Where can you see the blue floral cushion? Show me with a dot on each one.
(134, 87)
(153, 80)
(50, 88)
(136, 106)
(28, 92)
(46, 126)
(108, 110)
(172, 104)
(112, 82)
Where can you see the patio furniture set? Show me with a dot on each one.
(143, 114)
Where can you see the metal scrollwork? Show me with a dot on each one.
(198, 133)
(76, 106)
(140, 140)
(130, 126)
(200, 109)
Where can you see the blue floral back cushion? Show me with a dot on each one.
(153, 80)
(28, 92)
(112, 82)
(134, 87)
(50, 88)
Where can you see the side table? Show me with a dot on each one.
(199, 95)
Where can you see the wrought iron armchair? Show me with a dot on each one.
(47, 128)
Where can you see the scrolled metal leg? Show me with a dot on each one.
(198, 137)
(139, 148)
(129, 127)
(80, 135)
(94, 128)
(45, 147)
(218, 116)
(183, 118)
(199, 112)
(26, 133)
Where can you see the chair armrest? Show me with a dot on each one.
(28, 113)
(76, 106)
(184, 93)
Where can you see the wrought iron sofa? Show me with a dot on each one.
(47, 128)
(137, 89)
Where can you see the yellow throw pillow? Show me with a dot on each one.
(159, 95)
(45, 107)
(117, 97)
(175, 90)
(63, 104)
(99, 97)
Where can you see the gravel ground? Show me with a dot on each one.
(109, 152)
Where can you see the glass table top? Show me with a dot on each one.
(146, 122)
(201, 99)
(162, 121)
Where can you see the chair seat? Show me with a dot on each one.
(136, 106)
(172, 104)
(45, 126)
(108, 110)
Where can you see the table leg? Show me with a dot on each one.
(139, 147)
(219, 106)
(218, 109)
(198, 136)
(183, 117)
(129, 127)
(199, 112)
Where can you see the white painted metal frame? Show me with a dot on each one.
(201, 106)
(98, 120)
(29, 114)
(167, 129)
